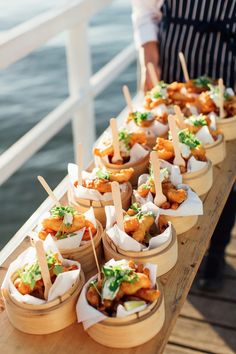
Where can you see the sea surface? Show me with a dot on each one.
(34, 86)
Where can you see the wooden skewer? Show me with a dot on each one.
(115, 137)
(184, 66)
(180, 117)
(160, 198)
(115, 188)
(178, 160)
(48, 190)
(128, 98)
(80, 162)
(221, 98)
(43, 267)
(95, 254)
(152, 73)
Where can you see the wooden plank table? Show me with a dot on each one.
(192, 247)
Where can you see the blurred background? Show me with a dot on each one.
(34, 86)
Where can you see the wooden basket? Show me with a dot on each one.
(228, 127)
(133, 330)
(182, 224)
(200, 181)
(216, 152)
(84, 253)
(82, 205)
(140, 167)
(164, 257)
(46, 318)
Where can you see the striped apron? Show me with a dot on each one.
(205, 31)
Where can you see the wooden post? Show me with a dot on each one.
(221, 98)
(41, 256)
(178, 160)
(117, 204)
(184, 66)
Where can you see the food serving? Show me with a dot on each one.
(29, 279)
(64, 222)
(122, 284)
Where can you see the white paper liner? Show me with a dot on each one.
(122, 240)
(204, 135)
(154, 130)
(89, 316)
(69, 242)
(137, 153)
(81, 192)
(64, 281)
(195, 165)
(191, 206)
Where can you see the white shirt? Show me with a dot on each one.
(146, 15)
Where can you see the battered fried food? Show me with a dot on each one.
(149, 295)
(165, 149)
(173, 194)
(57, 224)
(141, 282)
(145, 223)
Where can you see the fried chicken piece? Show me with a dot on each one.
(56, 224)
(199, 153)
(131, 225)
(105, 150)
(101, 185)
(230, 106)
(142, 281)
(205, 104)
(122, 176)
(92, 296)
(173, 194)
(164, 148)
(138, 137)
(89, 225)
(149, 295)
(143, 190)
(162, 223)
(145, 224)
(23, 288)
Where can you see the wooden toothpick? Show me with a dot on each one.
(180, 117)
(221, 98)
(152, 73)
(95, 253)
(115, 138)
(128, 98)
(160, 198)
(43, 267)
(184, 66)
(178, 160)
(116, 196)
(79, 162)
(48, 190)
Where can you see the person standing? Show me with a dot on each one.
(205, 31)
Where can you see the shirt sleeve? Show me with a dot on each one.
(146, 15)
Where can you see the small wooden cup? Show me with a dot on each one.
(82, 205)
(200, 181)
(228, 127)
(164, 257)
(216, 152)
(182, 224)
(84, 253)
(46, 318)
(140, 167)
(133, 330)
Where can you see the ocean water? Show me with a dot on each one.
(34, 86)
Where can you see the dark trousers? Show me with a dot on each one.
(222, 233)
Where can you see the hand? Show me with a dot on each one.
(149, 53)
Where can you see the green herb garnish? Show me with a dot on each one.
(198, 121)
(202, 82)
(139, 117)
(62, 210)
(116, 274)
(103, 174)
(124, 136)
(187, 138)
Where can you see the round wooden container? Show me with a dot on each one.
(46, 318)
(200, 181)
(216, 152)
(133, 330)
(140, 167)
(84, 253)
(182, 224)
(164, 257)
(83, 205)
(228, 127)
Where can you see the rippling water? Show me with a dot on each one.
(35, 85)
